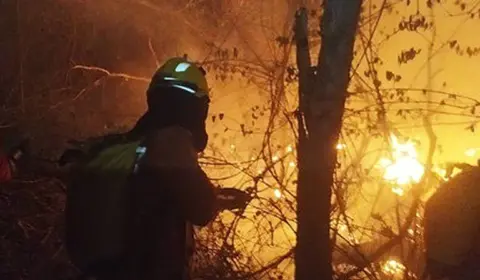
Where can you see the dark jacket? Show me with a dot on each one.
(169, 192)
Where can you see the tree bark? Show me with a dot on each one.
(322, 94)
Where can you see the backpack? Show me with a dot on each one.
(96, 206)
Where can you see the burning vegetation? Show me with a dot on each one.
(76, 69)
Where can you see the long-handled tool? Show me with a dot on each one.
(233, 199)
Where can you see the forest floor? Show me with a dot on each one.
(31, 231)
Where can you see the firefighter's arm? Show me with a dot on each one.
(200, 200)
(196, 196)
(171, 152)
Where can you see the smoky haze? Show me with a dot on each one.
(43, 40)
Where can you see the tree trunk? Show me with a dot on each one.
(322, 93)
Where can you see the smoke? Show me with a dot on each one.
(172, 27)
(46, 38)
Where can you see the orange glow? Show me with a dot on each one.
(404, 168)
(277, 193)
(393, 267)
(471, 152)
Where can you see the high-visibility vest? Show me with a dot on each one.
(96, 208)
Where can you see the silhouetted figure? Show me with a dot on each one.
(167, 191)
(452, 228)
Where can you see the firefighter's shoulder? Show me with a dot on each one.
(170, 147)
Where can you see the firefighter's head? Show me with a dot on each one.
(181, 72)
(178, 94)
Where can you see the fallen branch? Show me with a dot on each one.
(111, 74)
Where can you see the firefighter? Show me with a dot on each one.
(452, 224)
(170, 192)
(166, 192)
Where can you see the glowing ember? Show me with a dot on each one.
(277, 193)
(471, 152)
(292, 164)
(405, 168)
(393, 267)
(398, 191)
(289, 149)
(341, 146)
(440, 171)
(342, 228)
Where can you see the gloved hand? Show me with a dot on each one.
(231, 199)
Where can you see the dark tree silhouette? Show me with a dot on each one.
(322, 102)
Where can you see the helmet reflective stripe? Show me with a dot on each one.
(182, 67)
(140, 153)
(190, 90)
(185, 88)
